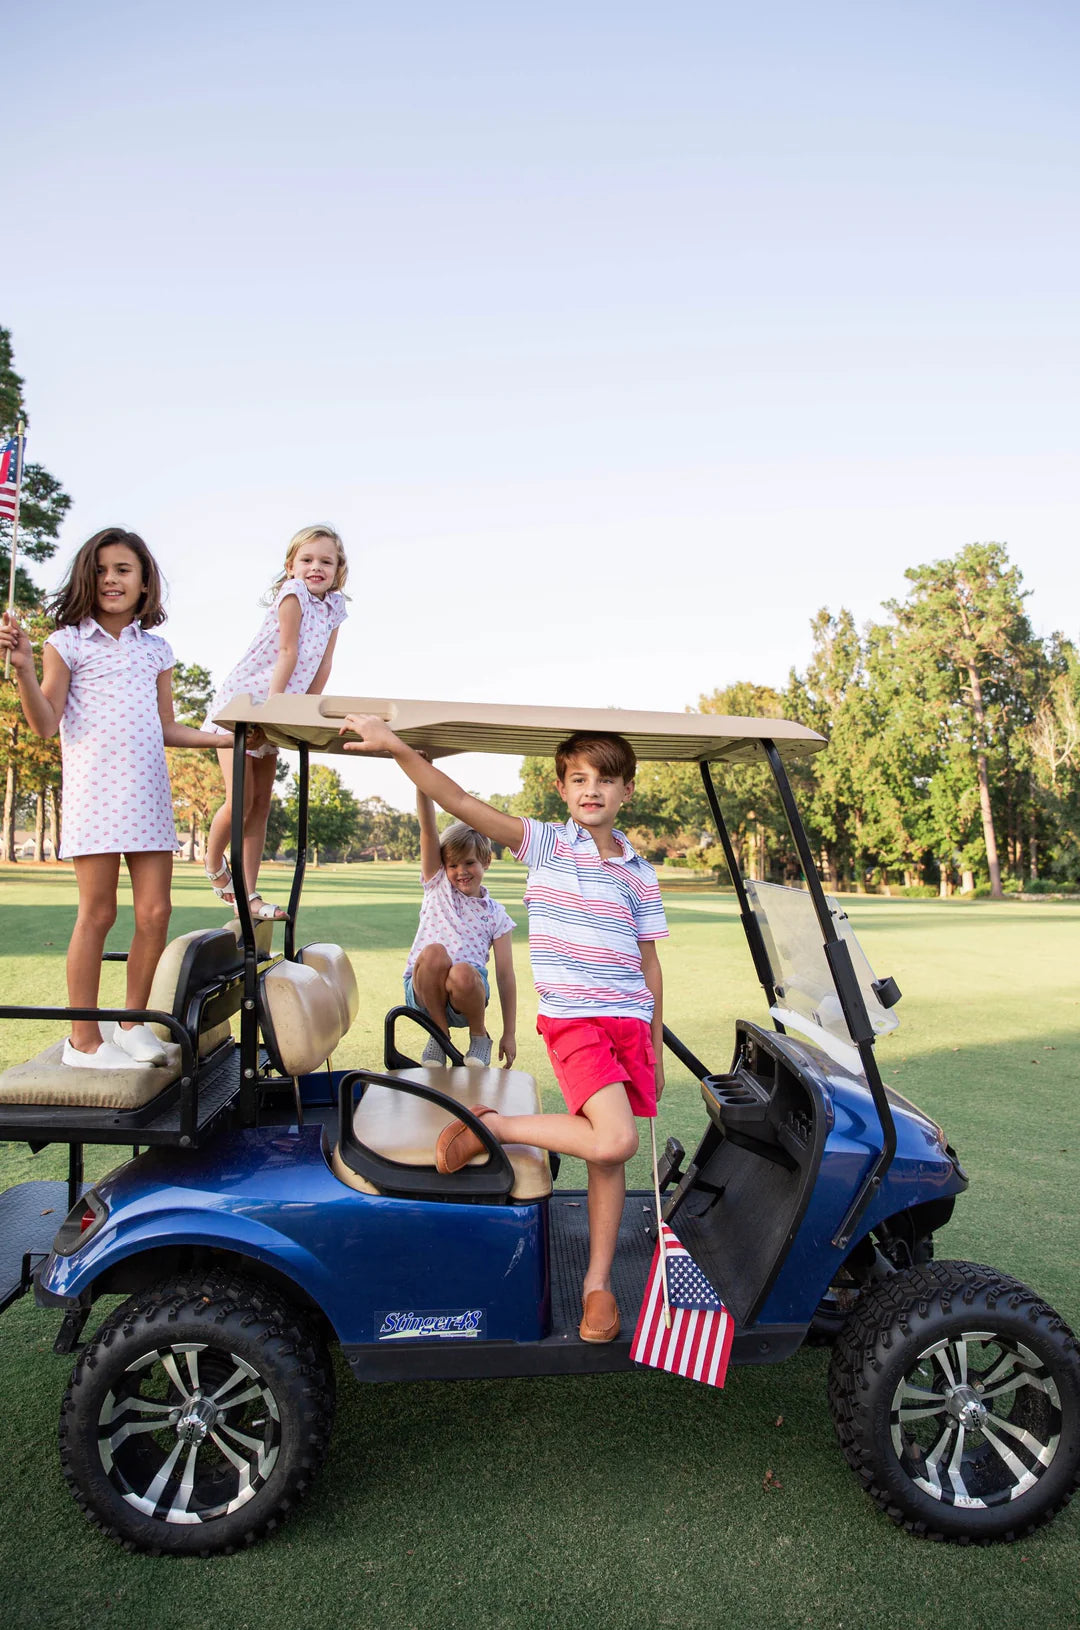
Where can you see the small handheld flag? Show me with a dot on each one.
(697, 1344)
(9, 477)
(11, 463)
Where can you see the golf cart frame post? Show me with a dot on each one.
(839, 960)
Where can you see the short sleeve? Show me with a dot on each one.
(338, 609)
(164, 653)
(537, 842)
(290, 586)
(501, 921)
(648, 907)
(65, 639)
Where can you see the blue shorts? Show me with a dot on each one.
(453, 1017)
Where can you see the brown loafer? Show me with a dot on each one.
(600, 1320)
(458, 1144)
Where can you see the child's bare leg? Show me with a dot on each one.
(96, 876)
(429, 976)
(607, 1197)
(603, 1133)
(465, 993)
(151, 888)
(218, 835)
(259, 791)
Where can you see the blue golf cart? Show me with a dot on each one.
(275, 1206)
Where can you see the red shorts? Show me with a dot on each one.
(598, 1050)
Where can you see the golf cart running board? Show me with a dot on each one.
(562, 1352)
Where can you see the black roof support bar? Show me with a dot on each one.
(751, 926)
(851, 1002)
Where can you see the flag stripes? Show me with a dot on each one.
(698, 1345)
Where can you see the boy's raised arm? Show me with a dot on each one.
(430, 852)
(377, 737)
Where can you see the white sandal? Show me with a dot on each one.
(224, 891)
(266, 911)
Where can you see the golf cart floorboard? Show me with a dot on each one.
(563, 1352)
(30, 1214)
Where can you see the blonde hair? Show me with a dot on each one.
(459, 837)
(308, 534)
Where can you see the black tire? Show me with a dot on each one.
(220, 1471)
(987, 1445)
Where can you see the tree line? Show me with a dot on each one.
(953, 757)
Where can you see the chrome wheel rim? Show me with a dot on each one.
(976, 1420)
(189, 1433)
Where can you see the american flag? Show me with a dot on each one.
(9, 477)
(698, 1345)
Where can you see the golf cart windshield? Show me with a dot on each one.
(806, 998)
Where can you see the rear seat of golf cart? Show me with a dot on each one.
(305, 1009)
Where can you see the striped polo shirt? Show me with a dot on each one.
(586, 916)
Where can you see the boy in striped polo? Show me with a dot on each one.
(594, 918)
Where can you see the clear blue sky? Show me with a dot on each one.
(615, 340)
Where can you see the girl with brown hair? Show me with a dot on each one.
(107, 687)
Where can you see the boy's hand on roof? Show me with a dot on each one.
(375, 734)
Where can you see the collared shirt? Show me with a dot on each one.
(465, 924)
(117, 798)
(586, 917)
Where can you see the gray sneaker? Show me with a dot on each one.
(479, 1051)
(433, 1053)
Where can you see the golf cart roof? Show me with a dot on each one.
(443, 728)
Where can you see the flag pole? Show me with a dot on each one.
(660, 1225)
(21, 436)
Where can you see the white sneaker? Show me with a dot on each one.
(139, 1043)
(107, 1057)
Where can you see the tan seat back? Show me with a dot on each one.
(301, 1017)
(335, 967)
(169, 973)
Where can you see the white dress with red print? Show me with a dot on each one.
(319, 616)
(116, 793)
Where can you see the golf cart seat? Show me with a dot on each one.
(302, 1015)
(401, 1127)
(193, 969)
(332, 963)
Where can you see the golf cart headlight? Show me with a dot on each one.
(81, 1224)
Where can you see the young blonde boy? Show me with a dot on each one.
(594, 918)
(446, 973)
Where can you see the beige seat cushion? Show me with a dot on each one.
(402, 1127)
(45, 1080)
(335, 967)
(167, 973)
(305, 1016)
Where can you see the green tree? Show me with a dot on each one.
(964, 629)
(44, 502)
(333, 812)
(192, 690)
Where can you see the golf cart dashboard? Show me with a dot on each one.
(765, 1103)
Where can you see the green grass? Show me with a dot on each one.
(630, 1500)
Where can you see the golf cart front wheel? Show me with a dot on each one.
(196, 1418)
(955, 1393)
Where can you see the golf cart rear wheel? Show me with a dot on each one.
(955, 1393)
(197, 1417)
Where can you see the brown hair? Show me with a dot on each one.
(608, 753)
(308, 534)
(459, 837)
(76, 597)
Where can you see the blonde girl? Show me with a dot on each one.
(292, 652)
(107, 686)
